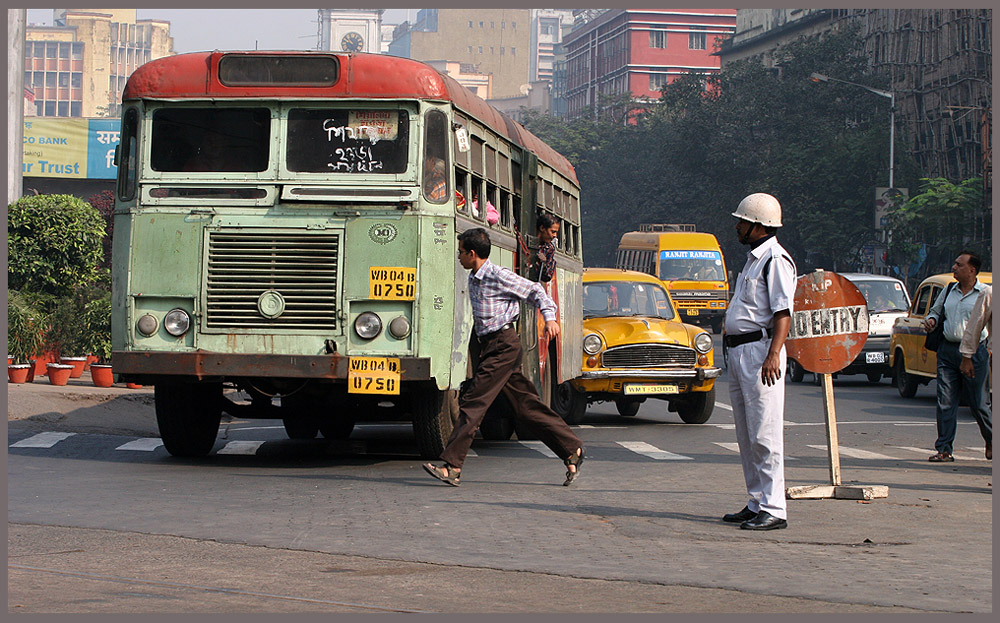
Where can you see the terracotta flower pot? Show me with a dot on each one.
(77, 362)
(102, 375)
(18, 373)
(59, 373)
(91, 360)
(10, 359)
(31, 371)
(133, 386)
(40, 363)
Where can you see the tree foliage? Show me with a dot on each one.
(54, 243)
(691, 156)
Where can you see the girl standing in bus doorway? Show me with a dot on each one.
(544, 265)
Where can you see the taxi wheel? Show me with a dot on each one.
(905, 383)
(874, 377)
(795, 371)
(628, 408)
(697, 408)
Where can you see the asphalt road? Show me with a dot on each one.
(268, 524)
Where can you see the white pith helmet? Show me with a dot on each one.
(760, 208)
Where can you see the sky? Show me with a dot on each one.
(196, 30)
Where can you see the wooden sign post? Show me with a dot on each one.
(829, 329)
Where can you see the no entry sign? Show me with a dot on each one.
(830, 322)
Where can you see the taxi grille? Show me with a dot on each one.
(648, 356)
(301, 267)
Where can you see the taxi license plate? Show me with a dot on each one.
(692, 312)
(874, 357)
(373, 375)
(634, 389)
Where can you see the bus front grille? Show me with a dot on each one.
(244, 265)
(648, 356)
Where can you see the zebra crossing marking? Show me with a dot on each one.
(855, 453)
(42, 440)
(645, 449)
(241, 447)
(144, 444)
(538, 446)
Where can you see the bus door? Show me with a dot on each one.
(525, 220)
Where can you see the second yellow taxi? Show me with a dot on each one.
(635, 348)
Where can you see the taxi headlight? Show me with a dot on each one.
(368, 325)
(177, 322)
(703, 342)
(592, 344)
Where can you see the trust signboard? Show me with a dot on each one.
(70, 148)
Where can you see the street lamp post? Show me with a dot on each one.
(815, 77)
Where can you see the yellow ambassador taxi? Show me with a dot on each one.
(635, 348)
(912, 364)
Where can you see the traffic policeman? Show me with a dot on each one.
(757, 323)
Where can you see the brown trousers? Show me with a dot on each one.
(499, 369)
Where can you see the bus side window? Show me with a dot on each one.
(504, 208)
(436, 166)
(127, 159)
(478, 202)
(462, 187)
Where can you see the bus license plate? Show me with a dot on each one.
(692, 312)
(633, 389)
(373, 375)
(392, 283)
(874, 357)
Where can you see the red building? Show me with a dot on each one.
(639, 51)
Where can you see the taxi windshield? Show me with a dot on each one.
(625, 298)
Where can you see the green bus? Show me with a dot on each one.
(285, 225)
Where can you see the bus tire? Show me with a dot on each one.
(627, 408)
(433, 420)
(697, 408)
(300, 427)
(188, 416)
(301, 421)
(569, 402)
(717, 325)
(906, 383)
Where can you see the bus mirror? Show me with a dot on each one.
(115, 161)
(462, 136)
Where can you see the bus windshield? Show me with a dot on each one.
(625, 298)
(210, 139)
(325, 140)
(691, 266)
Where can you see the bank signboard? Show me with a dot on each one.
(70, 148)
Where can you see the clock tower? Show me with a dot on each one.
(350, 30)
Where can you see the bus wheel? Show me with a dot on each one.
(697, 408)
(188, 416)
(569, 403)
(432, 420)
(300, 428)
(300, 423)
(717, 325)
(337, 427)
(628, 408)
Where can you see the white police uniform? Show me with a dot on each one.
(758, 409)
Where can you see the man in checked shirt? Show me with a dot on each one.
(496, 294)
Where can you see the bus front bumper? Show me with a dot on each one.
(201, 365)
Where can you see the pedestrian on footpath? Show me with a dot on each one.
(496, 294)
(956, 303)
(756, 325)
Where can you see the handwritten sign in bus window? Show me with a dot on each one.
(336, 141)
(392, 283)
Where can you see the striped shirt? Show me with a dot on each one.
(496, 293)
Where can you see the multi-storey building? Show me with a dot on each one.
(78, 66)
(638, 52)
(547, 27)
(494, 41)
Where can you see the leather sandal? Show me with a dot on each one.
(941, 457)
(445, 473)
(576, 460)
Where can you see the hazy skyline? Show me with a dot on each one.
(197, 30)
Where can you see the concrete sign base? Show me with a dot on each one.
(838, 492)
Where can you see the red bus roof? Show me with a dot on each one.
(374, 76)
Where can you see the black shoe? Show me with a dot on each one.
(739, 517)
(764, 521)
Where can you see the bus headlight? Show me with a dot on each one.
(368, 325)
(703, 342)
(592, 344)
(177, 322)
(147, 324)
(399, 327)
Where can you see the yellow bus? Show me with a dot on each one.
(688, 262)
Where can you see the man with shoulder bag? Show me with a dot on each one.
(950, 313)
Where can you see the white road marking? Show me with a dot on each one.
(927, 452)
(538, 446)
(734, 447)
(241, 447)
(600, 427)
(145, 444)
(643, 448)
(42, 440)
(858, 454)
(724, 406)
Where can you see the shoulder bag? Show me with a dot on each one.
(936, 336)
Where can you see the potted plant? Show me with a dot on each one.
(96, 339)
(25, 329)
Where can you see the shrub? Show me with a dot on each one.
(54, 243)
(25, 327)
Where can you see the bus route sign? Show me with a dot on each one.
(829, 324)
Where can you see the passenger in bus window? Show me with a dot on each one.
(496, 294)
(435, 180)
(545, 257)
